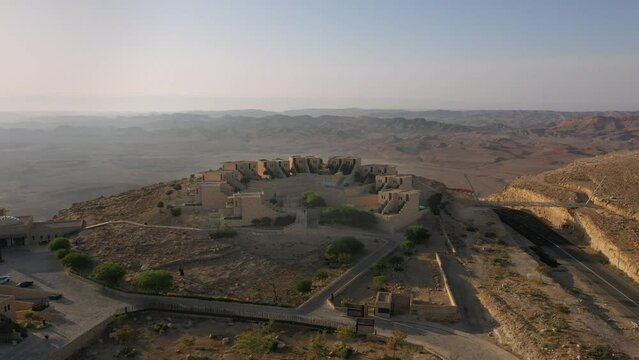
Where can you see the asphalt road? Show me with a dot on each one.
(623, 292)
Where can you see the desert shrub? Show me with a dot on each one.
(29, 314)
(61, 253)
(76, 261)
(160, 204)
(344, 352)
(157, 281)
(224, 231)
(348, 215)
(256, 341)
(109, 273)
(59, 243)
(395, 341)
(176, 211)
(310, 199)
(562, 308)
(380, 282)
(345, 333)
(346, 245)
(284, 220)
(321, 274)
(417, 234)
(266, 221)
(317, 348)
(407, 246)
(169, 192)
(177, 187)
(304, 286)
(125, 335)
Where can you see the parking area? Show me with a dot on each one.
(80, 308)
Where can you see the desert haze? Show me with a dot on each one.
(52, 161)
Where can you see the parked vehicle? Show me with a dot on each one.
(25, 284)
(5, 279)
(40, 305)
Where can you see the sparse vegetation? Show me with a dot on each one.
(407, 246)
(284, 220)
(378, 268)
(317, 347)
(61, 253)
(156, 281)
(395, 341)
(345, 333)
(396, 262)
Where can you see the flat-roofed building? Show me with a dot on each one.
(273, 169)
(344, 164)
(379, 169)
(247, 207)
(22, 230)
(389, 182)
(8, 307)
(397, 200)
(247, 168)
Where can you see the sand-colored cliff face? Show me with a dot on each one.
(613, 227)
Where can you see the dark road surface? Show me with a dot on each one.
(551, 247)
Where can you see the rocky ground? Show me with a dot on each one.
(258, 265)
(538, 318)
(611, 182)
(171, 336)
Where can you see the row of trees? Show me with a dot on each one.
(109, 273)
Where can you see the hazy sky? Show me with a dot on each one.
(186, 55)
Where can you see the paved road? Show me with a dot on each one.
(113, 222)
(444, 341)
(623, 292)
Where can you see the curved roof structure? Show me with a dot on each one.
(9, 220)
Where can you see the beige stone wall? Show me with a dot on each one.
(253, 207)
(8, 306)
(213, 195)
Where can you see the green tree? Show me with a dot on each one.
(61, 253)
(157, 281)
(76, 261)
(304, 286)
(380, 282)
(176, 211)
(310, 199)
(407, 246)
(109, 273)
(417, 234)
(378, 267)
(59, 243)
(321, 275)
(345, 245)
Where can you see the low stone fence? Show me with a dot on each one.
(430, 312)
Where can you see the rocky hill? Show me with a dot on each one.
(611, 182)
